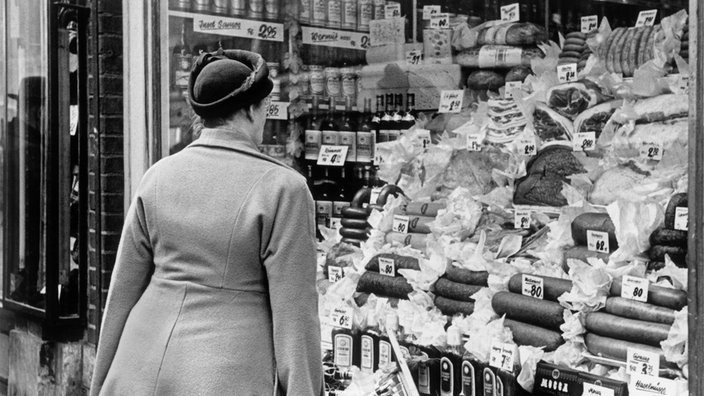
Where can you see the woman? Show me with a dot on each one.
(213, 290)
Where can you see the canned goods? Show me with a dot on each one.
(349, 82)
(201, 5)
(183, 5)
(334, 16)
(305, 14)
(304, 82)
(379, 9)
(271, 9)
(220, 6)
(349, 14)
(255, 9)
(318, 12)
(274, 76)
(364, 15)
(332, 81)
(317, 80)
(238, 7)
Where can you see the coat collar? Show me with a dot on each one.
(233, 140)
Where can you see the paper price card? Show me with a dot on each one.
(511, 13)
(584, 141)
(589, 23)
(392, 10)
(682, 87)
(647, 385)
(235, 27)
(400, 224)
(341, 316)
(335, 273)
(387, 266)
(451, 101)
(532, 286)
(527, 147)
(634, 288)
(651, 151)
(332, 155)
(521, 219)
(598, 241)
(642, 362)
(414, 56)
(502, 356)
(430, 10)
(682, 219)
(511, 87)
(336, 223)
(277, 111)
(440, 21)
(596, 390)
(474, 143)
(423, 138)
(567, 73)
(646, 18)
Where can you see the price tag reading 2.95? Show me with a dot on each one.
(387, 266)
(532, 286)
(451, 101)
(598, 241)
(584, 141)
(341, 316)
(400, 224)
(634, 288)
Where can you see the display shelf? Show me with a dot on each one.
(234, 27)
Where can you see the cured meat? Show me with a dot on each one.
(485, 80)
(594, 119)
(473, 170)
(518, 73)
(571, 99)
(661, 108)
(549, 125)
(506, 121)
(519, 34)
(614, 183)
(497, 56)
(547, 172)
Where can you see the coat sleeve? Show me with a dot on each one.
(289, 256)
(130, 277)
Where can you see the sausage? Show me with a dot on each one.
(453, 307)
(626, 51)
(667, 237)
(633, 50)
(454, 290)
(609, 48)
(354, 223)
(618, 48)
(382, 285)
(617, 349)
(677, 201)
(632, 309)
(424, 208)
(633, 330)
(400, 262)
(527, 334)
(463, 275)
(389, 189)
(416, 241)
(362, 196)
(643, 45)
(420, 224)
(677, 254)
(593, 222)
(657, 295)
(355, 233)
(552, 287)
(355, 213)
(529, 310)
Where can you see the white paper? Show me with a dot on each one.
(532, 286)
(451, 101)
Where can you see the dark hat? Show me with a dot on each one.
(227, 80)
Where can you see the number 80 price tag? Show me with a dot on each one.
(532, 286)
(400, 224)
(634, 288)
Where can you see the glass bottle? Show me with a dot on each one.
(271, 10)
(386, 120)
(365, 14)
(334, 14)
(396, 118)
(409, 117)
(369, 345)
(182, 61)
(255, 9)
(376, 120)
(365, 135)
(347, 134)
(451, 362)
(238, 8)
(329, 128)
(318, 13)
(349, 14)
(304, 15)
(313, 135)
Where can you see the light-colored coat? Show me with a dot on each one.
(213, 291)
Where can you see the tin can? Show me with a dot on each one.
(348, 76)
(334, 16)
(365, 14)
(274, 76)
(313, 141)
(305, 14)
(332, 81)
(317, 80)
(318, 12)
(183, 5)
(304, 82)
(238, 7)
(271, 10)
(349, 14)
(379, 9)
(255, 9)
(220, 7)
(201, 5)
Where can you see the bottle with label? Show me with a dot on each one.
(396, 118)
(181, 62)
(334, 14)
(386, 352)
(376, 120)
(255, 9)
(349, 14)
(471, 376)
(369, 345)
(409, 116)
(313, 135)
(451, 363)
(386, 123)
(365, 135)
(329, 128)
(341, 199)
(304, 16)
(271, 10)
(181, 5)
(323, 204)
(201, 5)
(333, 84)
(379, 9)
(345, 348)
(318, 12)
(348, 134)
(365, 13)
(220, 7)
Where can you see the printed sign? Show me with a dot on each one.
(430, 10)
(596, 390)
(511, 87)
(440, 21)
(642, 362)
(335, 273)
(634, 288)
(651, 151)
(392, 10)
(511, 13)
(527, 146)
(400, 224)
(532, 286)
(521, 219)
(598, 241)
(584, 141)
(474, 143)
(682, 219)
(341, 317)
(387, 266)
(589, 23)
(414, 56)
(277, 111)
(567, 73)
(502, 356)
(646, 385)
(646, 18)
(235, 27)
(332, 155)
(375, 194)
(451, 101)
(335, 38)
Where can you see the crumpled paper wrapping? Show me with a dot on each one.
(590, 287)
(634, 222)
(676, 345)
(461, 216)
(529, 357)
(670, 276)
(481, 340)
(572, 329)
(568, 354)
(383, 220)
(430, 270)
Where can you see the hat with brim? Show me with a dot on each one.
(227, 80)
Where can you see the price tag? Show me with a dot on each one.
(521, 219)
(375, 194)
(235, 27)
(451, 101)
(648, 385)
(387, 266)
(527, 147)
(335, 273)
(511, 13)
(392, 10)
(73, 119)
(336, 223)
(414, 56)
(474, 143)
(511, 87)
(400, 224)
(598, 241)
(422, 138)
(682, 219)
(634, 288)
(502, 356)
(646, 18)
(342, 317)
(642, 362)
(596, 390)
(532, 286)
(277, 111)
(332, 155)
(651, 151)
(567, 73)
(682, 87)
(430, 10)
(589, 23)
(584, 141)
(440, 21)
(335, 38)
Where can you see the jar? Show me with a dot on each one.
(220, 7)
(334, 16)
(365, 14)
(255, 9)
(201, 5)
(274, 76)
(305, 13)
(271, 10)
(318, 12)
(238, 7)
(332, 81)
(349, 14)
(349, 83)
(304, 81)
(317, 80)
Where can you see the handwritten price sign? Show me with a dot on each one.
(440, 21)
(634, 288)
(335, 273)
(400, 224)
(589, 23)
(511, 88)
(511, 13)
(646, 18)
(392, 11)
(567, 73)
(521, 219)
(598, 241)
(502, 356)
(430, 10)
(584, 141)
(451, 101)
(332, 155)
(682, 219)
(387, 266)
(235, 27)
(474, 143)
(532, 286)
(341, 317)
(642, 362)
(651, 151)
(413, 57)
(277, 111)
(527, 147)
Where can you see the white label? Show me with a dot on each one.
(511, 87)
(400, 224)
(598, 241)
(451, 101)
(234, 27)
(682, 87)
(387, 266)
(375, 194)
(589, 23)
(502, 356)
(521, 219)
(336, 223)
(474, 143)
(527, 146)
(325, 335)
(495, 56)
(642, 362)
(440, 21)
(596, 390)
(430, 10)
(335, 38)
(646, 18)
(422, 138)
(567, 73)
(343, 350)
(384, 353)
(73, 119)
(511, 13)
(532, 286)
(392, 11)
(335, 273)
(682, 219)
(277, 111)
(634, 288)
(367, 358)
(646, 385)
(414, 56)
(584, 141)
(332, 155)
(341, 317)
